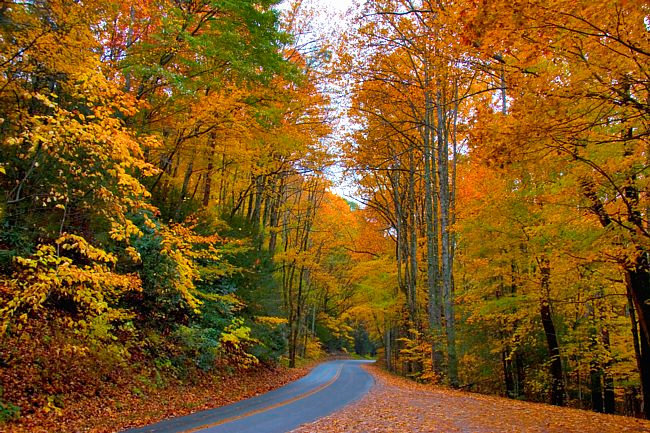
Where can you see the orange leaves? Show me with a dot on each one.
(396, 404)
(118, 408)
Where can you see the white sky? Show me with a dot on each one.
(337, 5)
(329, 21)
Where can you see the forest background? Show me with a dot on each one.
(168, 212)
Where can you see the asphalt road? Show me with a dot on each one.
(326, 389)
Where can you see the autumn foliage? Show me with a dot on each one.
(503, 147)
(145, 148)
(168, 210)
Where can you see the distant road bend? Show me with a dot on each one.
(327, 388)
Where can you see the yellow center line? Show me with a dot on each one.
(265, 409)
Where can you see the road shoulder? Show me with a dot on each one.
(124, 409)
(396, 404)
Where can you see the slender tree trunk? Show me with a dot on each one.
(222, 179)
(435, 319)
(642, 352)
(608, 379)
(275, 215)
(520, 376)
(395, 181)
(412, 293)
(295, 335)
(595, 368)
(207, 186)
(645, 377)
(251, 197)
(196, 187)
(637, 279)
(185, 187)
(508, 373)
(447, 290)
(596, 375)
(301, 243)
(639, 274)
(388, 354)
(557, 384)
(257, 210)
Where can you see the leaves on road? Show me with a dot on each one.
(396, 404)
(119, 409)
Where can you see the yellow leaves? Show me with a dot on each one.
(50, 406)
(416, 348)
(149, 223)
(338, 326)
(44, 100)
(181, 244)
(270, 320)
(95, 158)
(234, 342)
(124, 231)
(314, 349)
(79, 244)
(133, 254)
(91, 287)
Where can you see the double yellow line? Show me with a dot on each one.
(265, 409)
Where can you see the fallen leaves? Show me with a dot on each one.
(396, 404)
(120, 410)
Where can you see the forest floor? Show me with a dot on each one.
(399, 405)
(122, 408)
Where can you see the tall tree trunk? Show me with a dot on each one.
(645, 377)
(196, 187)
(295, 334)
(223, 181)
(257, 210)
(279, 200)
(596, 387)
(447, 289)
(207, 186)
(557, 379)
(184, 188)
(259, 195)
(388, 349)
(637, 281)
(412, 293)
(642, 352)
(395, 185)
(296, 302)
(608, 379)
(639, 273)
(520, 375)
(435, 319)
(251, 197)
(595, 368)
(508, 373)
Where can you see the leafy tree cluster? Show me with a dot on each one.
(146, 154)
(504, 149)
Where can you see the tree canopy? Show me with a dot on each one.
(170, 206)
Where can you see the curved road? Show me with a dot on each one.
(326, 389)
